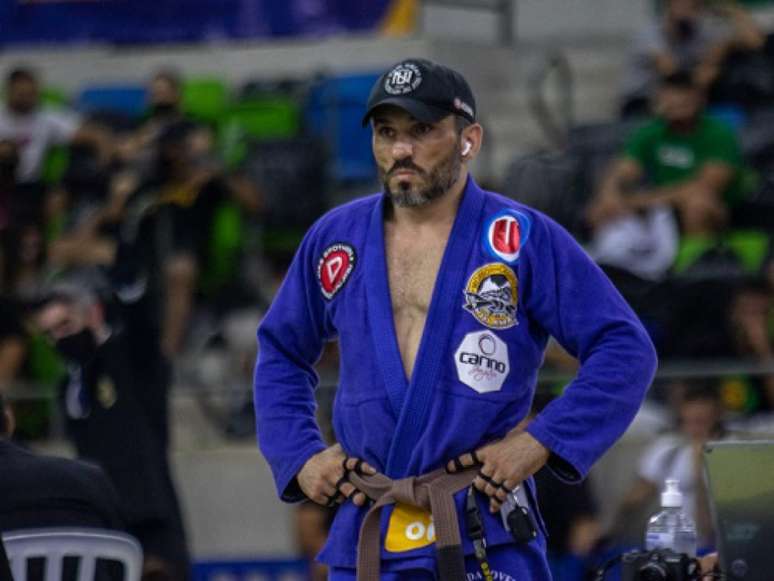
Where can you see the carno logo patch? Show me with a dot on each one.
(491, 296)
(482, 361)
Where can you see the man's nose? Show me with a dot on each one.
(402, 148)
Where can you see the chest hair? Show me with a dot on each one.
(413, 268)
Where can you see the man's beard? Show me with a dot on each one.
(439, 181)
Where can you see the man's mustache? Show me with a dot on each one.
(405, 164)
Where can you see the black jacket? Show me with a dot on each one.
(43, 491)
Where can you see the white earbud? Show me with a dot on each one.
(467, 147)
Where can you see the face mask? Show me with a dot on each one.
(686, 28)
(22, 107)
(80, 347)
(163, 109)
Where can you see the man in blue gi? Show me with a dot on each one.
(442, 297)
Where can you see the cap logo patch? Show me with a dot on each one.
(492, 295)
(505, 235)
(335, 266)
(403, 79)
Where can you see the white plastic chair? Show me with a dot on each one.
(57, 543)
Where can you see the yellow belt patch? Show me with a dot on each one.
(409, 528)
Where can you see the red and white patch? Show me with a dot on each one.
(504, 237)
(334, 268)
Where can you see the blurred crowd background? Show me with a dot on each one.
(158, 169)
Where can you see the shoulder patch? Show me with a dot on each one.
(492, 295)
(336, 264)
(505, 234)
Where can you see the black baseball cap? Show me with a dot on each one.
(427, 90)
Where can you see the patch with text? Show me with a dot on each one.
(335, 266)
(491, 296)
(482, 361)
(409, 528)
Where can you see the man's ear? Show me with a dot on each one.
(472, 137)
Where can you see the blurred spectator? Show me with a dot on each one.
(33, 129)
(165, 97)
(115, 403)
(677, 454)
(13, 344)
(87, 177)
(84, 210)
(750, 333)
(691, 35)
(42, 491)
(171, 221)
(164, 110)
(18, 201)
(23, 255)
(691, 162)
(9, 162)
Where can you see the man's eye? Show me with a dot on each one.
(423, 128)
(385, 131)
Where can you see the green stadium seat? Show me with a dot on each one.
(205, 100)
(257, 119)
(54, 97)
(55, 164)
(750, 247)
(224, 249)
(269, 118)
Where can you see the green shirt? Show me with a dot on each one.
(669, 157)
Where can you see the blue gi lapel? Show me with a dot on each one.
(411, 401)
(385, 343)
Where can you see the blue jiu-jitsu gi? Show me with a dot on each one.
(510, 278)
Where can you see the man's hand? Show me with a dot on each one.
(324, 477)
(504, 465)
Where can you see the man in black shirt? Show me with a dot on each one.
(42, 491)
(114, 399)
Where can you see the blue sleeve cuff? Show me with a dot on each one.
(288, 488)
(558, 462)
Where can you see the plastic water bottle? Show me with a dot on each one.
(671, 528)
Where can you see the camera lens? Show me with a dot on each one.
(653, 572)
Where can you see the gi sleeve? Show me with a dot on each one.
(576, 303)
(291, 339)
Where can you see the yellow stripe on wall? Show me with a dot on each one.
(400, 19)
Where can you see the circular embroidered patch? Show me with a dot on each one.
(491, 296)
(505, 235)
(334, 268)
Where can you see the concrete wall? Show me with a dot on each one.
(541, 21)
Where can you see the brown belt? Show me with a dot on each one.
(434, 492)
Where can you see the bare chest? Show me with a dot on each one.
(412, 270)
(413, 260)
